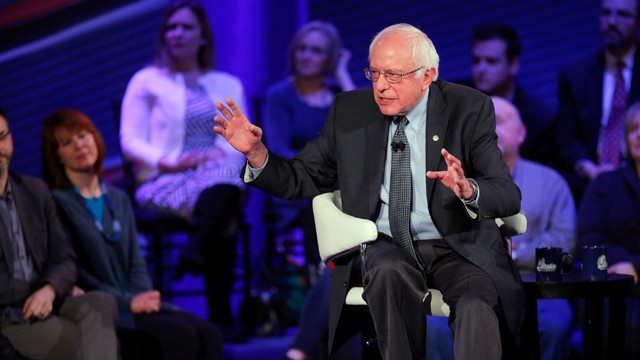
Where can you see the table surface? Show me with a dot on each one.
(572, 286)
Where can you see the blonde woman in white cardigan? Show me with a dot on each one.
(182, 167)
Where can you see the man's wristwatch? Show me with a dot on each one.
(474, 187)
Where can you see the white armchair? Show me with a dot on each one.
(339, 234)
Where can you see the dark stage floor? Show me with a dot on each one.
(261, 348)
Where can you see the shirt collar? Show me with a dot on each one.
(8, 192)
(418, 115)
(627, 58)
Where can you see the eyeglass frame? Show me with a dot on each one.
(369, 74)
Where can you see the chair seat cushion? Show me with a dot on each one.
(438, 306)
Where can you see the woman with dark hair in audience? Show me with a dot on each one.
(182, 167)
(609, 215)
(99, 219)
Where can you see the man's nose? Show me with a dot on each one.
(381, 84)
(611, 19)
(480, 66)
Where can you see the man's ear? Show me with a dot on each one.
(522, 134)
(428, 77)
(514, 66)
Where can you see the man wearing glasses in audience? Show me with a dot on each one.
(40, 315)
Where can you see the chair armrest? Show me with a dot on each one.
(339, 233)
(512, 225)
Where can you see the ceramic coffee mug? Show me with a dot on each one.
(594, 262)
(550, 262)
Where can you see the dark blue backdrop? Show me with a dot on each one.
(88, 64)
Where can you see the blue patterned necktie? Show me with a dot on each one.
(400, 193)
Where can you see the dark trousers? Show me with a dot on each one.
(214, 236)
(84, 328)
(394, 289)
(314, 325)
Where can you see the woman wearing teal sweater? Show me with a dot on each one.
(99, 219)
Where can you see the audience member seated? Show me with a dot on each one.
(551, 217)
(593, 94)
(295, 109)
(495, 63)
(609, 215)
(41, 317)
(183, 168)
(99, 219)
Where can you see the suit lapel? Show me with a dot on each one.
(594, 89)
(437, 121)
(25, 212)
(5, 246)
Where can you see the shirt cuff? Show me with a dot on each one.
(251, 173)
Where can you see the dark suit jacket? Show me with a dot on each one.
(45, 241)
(580, 107)
(610, 214)
(351, 152)
(539, 118)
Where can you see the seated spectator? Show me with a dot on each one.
(99, 219)
(183, 168)
(593, 94)
(496, 55)
(295, 109)
(550, 222)
(41, 317)
(609, 215)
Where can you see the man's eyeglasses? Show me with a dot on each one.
(392, 77)
(4, 134)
